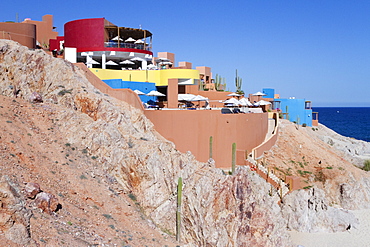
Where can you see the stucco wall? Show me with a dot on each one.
(23, 33)
(190, 131)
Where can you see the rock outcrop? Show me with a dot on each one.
(309, 211)
(14, 216)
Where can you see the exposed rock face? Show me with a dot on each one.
(14, 217)
(46, 202)
(308, 211)
(31, 190)
(218, 209)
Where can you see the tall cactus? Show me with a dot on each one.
(210, 147)
(178, 212)
(220, 83)
(233, 159)
(238, 83)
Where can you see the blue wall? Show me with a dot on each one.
(270, 93)
(144, 87)
(296, 110)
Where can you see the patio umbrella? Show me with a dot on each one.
(138, 92)
(232, 101)
(117, 38)
(186, 97)
(165, 63)
(151, 66)
(245, 102)
(259, 94)
(110, 62)
(127, 62)
(130, 40)
(155, 93)
(262, 102)
(162, 59)
(137, 59)
(234, 94)
(139, 41)
(92, 61)
(199, 98)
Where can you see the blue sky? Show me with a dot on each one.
(317, 50)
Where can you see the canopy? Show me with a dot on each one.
(110, 62)
(155, 93)
(262, 102)
(259, 94)
(232, 101)
(138, 92)
(127, 62)
(151, 66)
(166, 63)
(137, 59)
(245, 102)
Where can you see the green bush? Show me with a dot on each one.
(366, 165)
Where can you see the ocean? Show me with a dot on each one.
(347, 121)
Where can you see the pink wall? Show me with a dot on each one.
(191, 129)
(85, 33)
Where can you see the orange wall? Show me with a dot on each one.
(44, 30)
(23, 33)
(190, 131)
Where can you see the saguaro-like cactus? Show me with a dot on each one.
(210, 147)
(233, 158)
(178, 212)
(238, 83)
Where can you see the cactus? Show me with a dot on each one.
(287, 112)
(220, 83)
(178, 212)
(233, 159)
(201, 85)
(238, 84)
(210, 147)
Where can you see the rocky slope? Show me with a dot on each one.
(114, 177)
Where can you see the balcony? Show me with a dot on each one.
(127, 46)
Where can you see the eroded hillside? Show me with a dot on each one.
(114, 177)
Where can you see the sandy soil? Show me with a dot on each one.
(354, 237)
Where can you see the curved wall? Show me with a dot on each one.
(190, 131)
(84, 33)
(23, 33)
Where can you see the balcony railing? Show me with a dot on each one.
(126, 45)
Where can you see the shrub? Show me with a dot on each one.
(366, 165)
(304, 125)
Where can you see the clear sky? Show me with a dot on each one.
(313, 49)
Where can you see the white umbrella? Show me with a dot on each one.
(232, 101)
(186, 97)
(127, 62)
(162, 59)
(259, 94)
(92, 61)
(245, 102)
(138, 92)
(234, 94)
(166, 63)
(117, 38)
(155, 93)
(262, 102)
(139, 41)
(137, 59)
(151, 66)
(199, 98)
(110, 62)
(130, 40)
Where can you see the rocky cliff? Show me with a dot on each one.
(112, 173)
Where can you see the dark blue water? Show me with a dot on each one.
(347, 121)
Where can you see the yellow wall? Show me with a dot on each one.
(159, 77)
